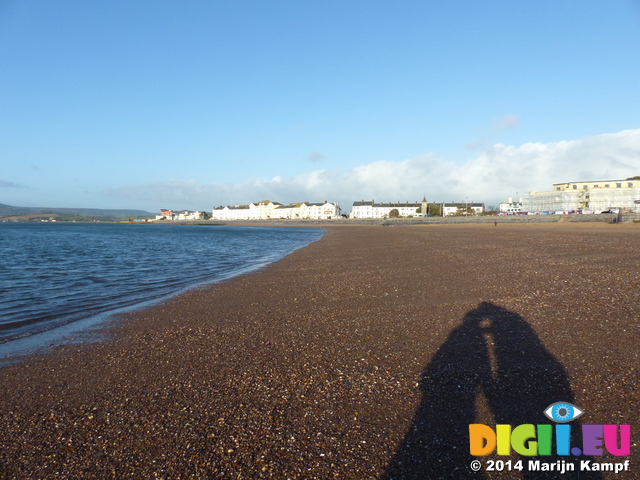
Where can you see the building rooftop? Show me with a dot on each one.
(598, 181)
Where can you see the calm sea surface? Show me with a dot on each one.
(54, 274)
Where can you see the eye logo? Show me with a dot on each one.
(562, 412)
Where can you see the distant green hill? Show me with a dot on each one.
(8, 210)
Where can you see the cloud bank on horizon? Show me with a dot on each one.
(498, 172)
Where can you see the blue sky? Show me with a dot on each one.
(190, 105)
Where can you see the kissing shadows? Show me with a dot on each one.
(494, 351)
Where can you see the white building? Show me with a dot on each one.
(267, 210)
(588, 197)
(511, 207)
(263, 210)
(287, 212)
(306, 210)
(319, 211)
(366, 209)
(166, 214)
(189, 215)
(462, 208)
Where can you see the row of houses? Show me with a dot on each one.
(324, 211)
(586, 197)
(267, 209)
(371, 209)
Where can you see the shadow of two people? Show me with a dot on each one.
(495, 352)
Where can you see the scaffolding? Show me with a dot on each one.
(608, 198)
(551, 202)
(592, 200)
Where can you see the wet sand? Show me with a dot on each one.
(364, 355)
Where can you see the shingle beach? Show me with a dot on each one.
(364, 355)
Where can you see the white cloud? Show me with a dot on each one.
(490, 177)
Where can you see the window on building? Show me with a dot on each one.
(596, 186)
(575, 187)
(558, 189)
(618, 185)
(606, 185)
(584, 187)
(630, 184)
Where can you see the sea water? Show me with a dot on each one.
(55, 276)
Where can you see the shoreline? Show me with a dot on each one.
(91, 328)
(312, 366)
(629, 217)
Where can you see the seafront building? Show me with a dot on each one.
(166, 214)
(313, 211)
(511, 207)
(586, 197)
(254, 211)
(462, 208)
(268, 210)
(370, 209)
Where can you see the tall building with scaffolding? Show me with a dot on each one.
(591, 196)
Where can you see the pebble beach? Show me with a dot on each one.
(364, 355)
